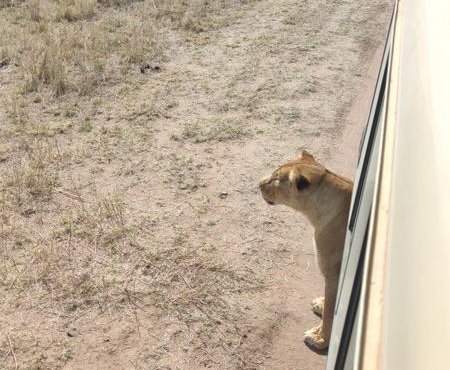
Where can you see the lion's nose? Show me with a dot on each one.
(262, 182)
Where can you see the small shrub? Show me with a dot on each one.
(46, 65)
(86, 126)
(75, 10)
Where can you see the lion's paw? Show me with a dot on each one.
(314, 338)
(317, 306)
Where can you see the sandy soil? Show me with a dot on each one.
(153, 249)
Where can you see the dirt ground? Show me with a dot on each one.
(132, 139)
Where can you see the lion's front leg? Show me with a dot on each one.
(319, 336)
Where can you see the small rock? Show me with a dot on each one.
(223, 195)
(72, 332)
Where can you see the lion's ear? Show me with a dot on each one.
(305, 156)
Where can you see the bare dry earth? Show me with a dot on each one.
(133, 232)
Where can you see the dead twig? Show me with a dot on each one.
(11, 349)
(133, 306)
(6, 356)
(70, 195)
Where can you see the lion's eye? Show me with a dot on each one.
(301, 183)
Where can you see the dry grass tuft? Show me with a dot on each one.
(75, 10)
(46, 65)
(15, 107)
(60, 10)
(193, 277)
(34, 176)
(102, 224)
(194, 16)
(219, 129)
(185, 173)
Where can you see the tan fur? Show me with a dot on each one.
(324, 198)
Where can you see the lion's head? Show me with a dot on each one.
(294, 182)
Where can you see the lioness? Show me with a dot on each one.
(324, 198)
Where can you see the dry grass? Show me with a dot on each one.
(33, 176)
(69, 10)
(76, 253)
(64, 57)
(15, 106)
(196, 290)
(217, 129)
(184, 172)
(45, 39)
(92, 258)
